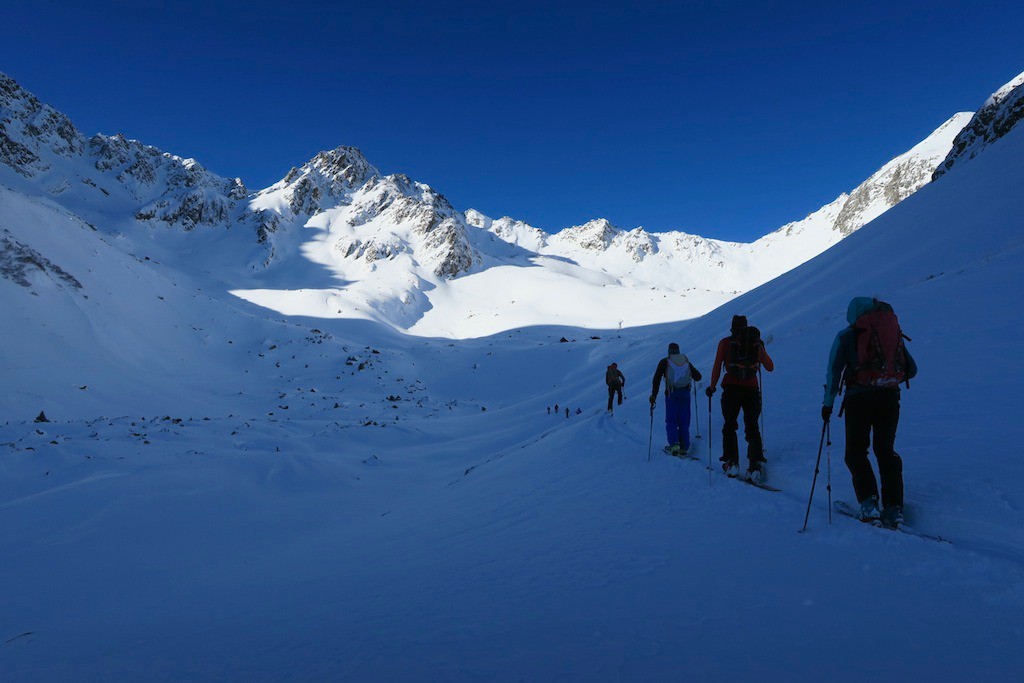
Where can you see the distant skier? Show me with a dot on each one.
(615, 380)
(549, 410)
(556, 409)
(742, 354)
(567, 412)
(872, 360)
(678, 374)
(579, 411)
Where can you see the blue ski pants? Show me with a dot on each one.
(677, 417)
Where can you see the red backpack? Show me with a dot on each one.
(881, 355)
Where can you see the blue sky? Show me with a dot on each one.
(727, 119)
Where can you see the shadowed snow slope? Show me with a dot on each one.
(328, 499)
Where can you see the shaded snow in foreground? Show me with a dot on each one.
(447, 541)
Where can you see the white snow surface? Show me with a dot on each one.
(226, 492)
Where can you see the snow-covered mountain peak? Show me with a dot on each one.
(1000, 113)
(31, 130)
(343, 165)
(108, 175)
(326, 180)
(595, 235)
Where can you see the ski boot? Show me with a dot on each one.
(868, 510)
(892, 516)
(756, 472)
(731, 468)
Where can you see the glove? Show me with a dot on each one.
(826, 413)
(710, 391)
(654, 399)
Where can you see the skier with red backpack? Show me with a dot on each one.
(678, 375)
(870, 357)
(741, 354)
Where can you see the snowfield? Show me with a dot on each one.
(226, 492)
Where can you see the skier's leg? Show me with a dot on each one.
(890, 468)
(671, 424)
(611, 393)
(858, 438)
(684, 419)
(619, 391)
(730, 415)
(751, 429)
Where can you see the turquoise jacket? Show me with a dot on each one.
(843, 355)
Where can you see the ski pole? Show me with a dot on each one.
(710, 441)
(650, 435)
(828, 461)
(815, 480)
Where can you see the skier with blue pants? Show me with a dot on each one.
(678, 375)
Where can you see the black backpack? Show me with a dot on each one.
(744, 353)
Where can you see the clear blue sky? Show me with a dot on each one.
(724, 118)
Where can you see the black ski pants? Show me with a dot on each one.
(872, 417)
(614, 389)
(748, 399)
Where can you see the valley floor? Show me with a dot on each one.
(500, 545)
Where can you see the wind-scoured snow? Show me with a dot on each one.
(224, 491)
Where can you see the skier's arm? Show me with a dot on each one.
(622, 378)
(716, 369)
(656, 383)
(695, 373)
(836, 365)
(765, 359)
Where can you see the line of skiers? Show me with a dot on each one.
(579, 411)
(868, 357)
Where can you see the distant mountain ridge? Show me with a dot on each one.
(403, 255)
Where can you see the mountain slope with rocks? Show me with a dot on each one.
(1001, 112)
(336, 238)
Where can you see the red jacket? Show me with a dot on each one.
(723, 355)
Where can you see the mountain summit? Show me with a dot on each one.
(337, 238)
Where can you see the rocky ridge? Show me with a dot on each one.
(997, 117)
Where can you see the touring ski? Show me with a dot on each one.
(758, 484)
(687, 456)
(844, 508)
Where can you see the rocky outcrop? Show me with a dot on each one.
(167, 190)
(325, 181)
(20, 262)
(440, 230)
(30, 131)
(997, 117)
(638, 243)
(595, 235)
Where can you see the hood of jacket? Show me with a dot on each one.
(859, 305)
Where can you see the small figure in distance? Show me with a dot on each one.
(615, 380)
